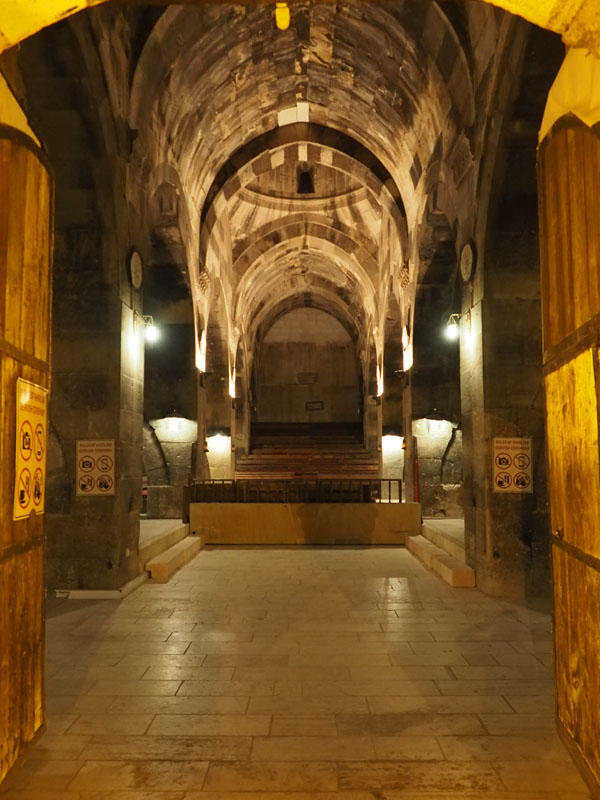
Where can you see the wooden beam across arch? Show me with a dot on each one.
(577, 21)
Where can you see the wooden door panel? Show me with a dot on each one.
(25, 241)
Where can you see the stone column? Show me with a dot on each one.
(240, 416)
(408, 479)
(501, 396)
(200, 468)
(98, 395)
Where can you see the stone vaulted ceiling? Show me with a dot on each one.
(357, 100)
(325, 164)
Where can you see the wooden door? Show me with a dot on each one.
(25, 244)
(569, 191)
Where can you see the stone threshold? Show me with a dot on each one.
(102, 594)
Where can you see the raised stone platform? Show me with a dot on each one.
(167, 563)
(447, 534)
(305, 523)
(441, 548)
(158, 535)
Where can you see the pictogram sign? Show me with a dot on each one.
(30, 450)
(512, 467)
(24, 488)
(95, 467)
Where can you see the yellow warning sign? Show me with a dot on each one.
(30, 457)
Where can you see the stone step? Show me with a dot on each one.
(158, 544)
(454, 571)
(162, 567)
(449, 541)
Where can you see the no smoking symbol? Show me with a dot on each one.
(39, 442)
(104, 463)
(522, 460)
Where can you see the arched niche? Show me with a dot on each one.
(306, 370)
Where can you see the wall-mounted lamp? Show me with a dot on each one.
(452, 331)
(151, 332)
(282, 16)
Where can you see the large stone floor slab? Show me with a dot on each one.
(306, 673)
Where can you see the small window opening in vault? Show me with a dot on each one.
(305, 181)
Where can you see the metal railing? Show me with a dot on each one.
(296, 490)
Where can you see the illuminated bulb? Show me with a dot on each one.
(282, 16)
(151, 333)
(452, 331)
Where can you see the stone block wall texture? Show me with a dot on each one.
(506, 535)
(166, 456)
(439, 447)
(169, 371)
(92, 540)
(164, 502)
(219, 456)
(307, 358)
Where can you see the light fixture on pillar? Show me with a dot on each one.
(151, 332)
(282, 16)
(452, 331)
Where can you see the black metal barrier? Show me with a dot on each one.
(296, 490)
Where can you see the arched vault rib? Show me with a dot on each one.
(324, 146)
(255, 161)
(298, 225)
(268, 273)
(320, 300)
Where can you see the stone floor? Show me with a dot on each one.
(298, 673)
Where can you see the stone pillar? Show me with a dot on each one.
(372, 408)
(568, 179)
(25, 244)
(98, 394)
(505, 532)
(200, 468)
(408, 479)
(240, 421)
(372, 424)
